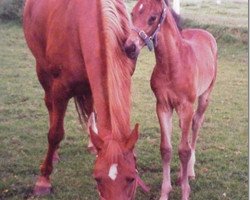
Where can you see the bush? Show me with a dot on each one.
(11, 9)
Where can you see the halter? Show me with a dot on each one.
(151, 41)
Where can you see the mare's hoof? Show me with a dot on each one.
(42, 187)
(42, 191)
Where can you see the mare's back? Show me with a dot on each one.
(52, 27)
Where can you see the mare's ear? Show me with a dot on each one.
(133, 138)
(96, 140)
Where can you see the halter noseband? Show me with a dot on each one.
(151, 41)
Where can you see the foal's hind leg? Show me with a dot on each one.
(198, 119)
(59, 103)
(165, 118)
(185, 113)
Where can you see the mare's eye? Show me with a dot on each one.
(151, 20)
(130, 179)
(98, 180)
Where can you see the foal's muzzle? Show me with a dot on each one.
(131, 49)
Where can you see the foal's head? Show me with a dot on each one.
(115, 167)
(146, 17)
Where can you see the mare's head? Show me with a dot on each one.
(115, 167)
(147, 15)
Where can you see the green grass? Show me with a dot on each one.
(222, 151)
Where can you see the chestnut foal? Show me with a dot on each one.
(185, 70)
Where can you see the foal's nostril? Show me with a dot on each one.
(133, 47)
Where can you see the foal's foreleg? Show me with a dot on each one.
(55, 135)
(185, 112)
(165, 118)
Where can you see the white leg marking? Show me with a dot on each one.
(191, 163)
(92, 122)
(113, 171)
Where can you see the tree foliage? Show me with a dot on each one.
(11, 9)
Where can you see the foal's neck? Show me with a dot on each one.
(170, 41)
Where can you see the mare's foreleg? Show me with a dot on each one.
(49, 105)
(57, 104)
(185, 113)
(164, 114)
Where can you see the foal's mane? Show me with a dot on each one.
(115, 29)
(177, 17)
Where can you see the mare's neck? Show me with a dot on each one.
(113, 100)
(169, 41)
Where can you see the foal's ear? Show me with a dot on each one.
(96, 140)
(133, 138)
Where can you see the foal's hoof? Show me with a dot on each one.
(42, 187)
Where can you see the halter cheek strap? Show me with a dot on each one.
(151, 41)
(147, 40)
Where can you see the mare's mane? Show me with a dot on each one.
(115, 29)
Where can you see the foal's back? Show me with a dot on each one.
(204, 48)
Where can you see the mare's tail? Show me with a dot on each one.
(81, 109)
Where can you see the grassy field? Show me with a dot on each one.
(222, 152)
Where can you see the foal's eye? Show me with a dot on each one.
(151, 20)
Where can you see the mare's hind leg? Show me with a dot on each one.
(198, 119)
(164, 114)
(59, 103)
(84, 106)
(185, 113)
(92, 124)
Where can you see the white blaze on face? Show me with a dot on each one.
(113, 171)
(140, 7)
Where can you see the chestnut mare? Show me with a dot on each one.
(78, 50)
(185, 70)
